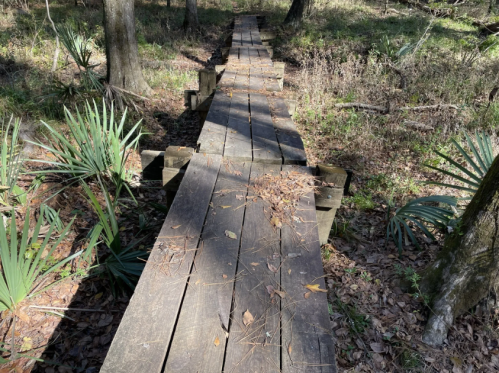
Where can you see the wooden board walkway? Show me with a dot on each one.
(224, 287)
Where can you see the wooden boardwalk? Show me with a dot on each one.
(224, 289)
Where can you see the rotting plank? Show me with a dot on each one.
(255, 347)
(212, 137)
(290, 142)
(142, 339)
(307, 343)
(238, 140)
(200, 336)
(265, 147)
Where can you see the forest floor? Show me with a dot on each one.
(347, 52)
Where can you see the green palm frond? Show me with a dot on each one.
(420, 214)
(471, 176)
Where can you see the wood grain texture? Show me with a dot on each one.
(265, 147)
(255, 348)
(200, 336)
(256, 79)
(238, 140)
(242, 80)
(212, 137)
(244, 57)
(290, 142)
(307, 343)
(142, 339)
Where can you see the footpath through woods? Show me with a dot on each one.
(235, 281)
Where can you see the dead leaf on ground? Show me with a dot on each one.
(315, 288)
(248, 318)
(255, 264)
(307, 294)
(216, 342)
(231, 235)
(272, 268)
(282, 294)
(176, 226)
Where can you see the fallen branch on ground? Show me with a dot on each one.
(385, 110)
(358, 105)
(417, 125)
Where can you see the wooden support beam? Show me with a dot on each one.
(331, 182)
(151, 163)
(176, 159)
(207, 82)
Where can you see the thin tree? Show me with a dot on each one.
(296, 13)
(123, 64)
(467, 269)
(191, 22)
(57, 45)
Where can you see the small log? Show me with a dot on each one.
(359, 105)
(428, 107)
(417, 125)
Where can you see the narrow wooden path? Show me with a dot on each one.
(224, 288)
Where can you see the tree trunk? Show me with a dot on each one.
(467, 269)
(191, 22)
(123, 64)
(296, 13)
(168, 3)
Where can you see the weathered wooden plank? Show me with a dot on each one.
(256, 79)
(255, 347)
(200, 336)
(242, 80)
(246, 37)
(254, 56)
(244, 57)
(270, 78)
(236, 38)
(265, 147)
(233, 55)
(307, 343)
(290, 142)
(265, 56)
(238, 140)
(227, 79)
(142, 339)
(212, 137)
(255, 37)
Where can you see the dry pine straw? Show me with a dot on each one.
(282, 192)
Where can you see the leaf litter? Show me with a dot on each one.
(282, 192)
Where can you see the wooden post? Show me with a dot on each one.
(279, 72)
(152, 163)
(331, 181)
(176, 159)
(207, 82)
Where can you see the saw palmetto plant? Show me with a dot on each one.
(427, 213)
(475, 169)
